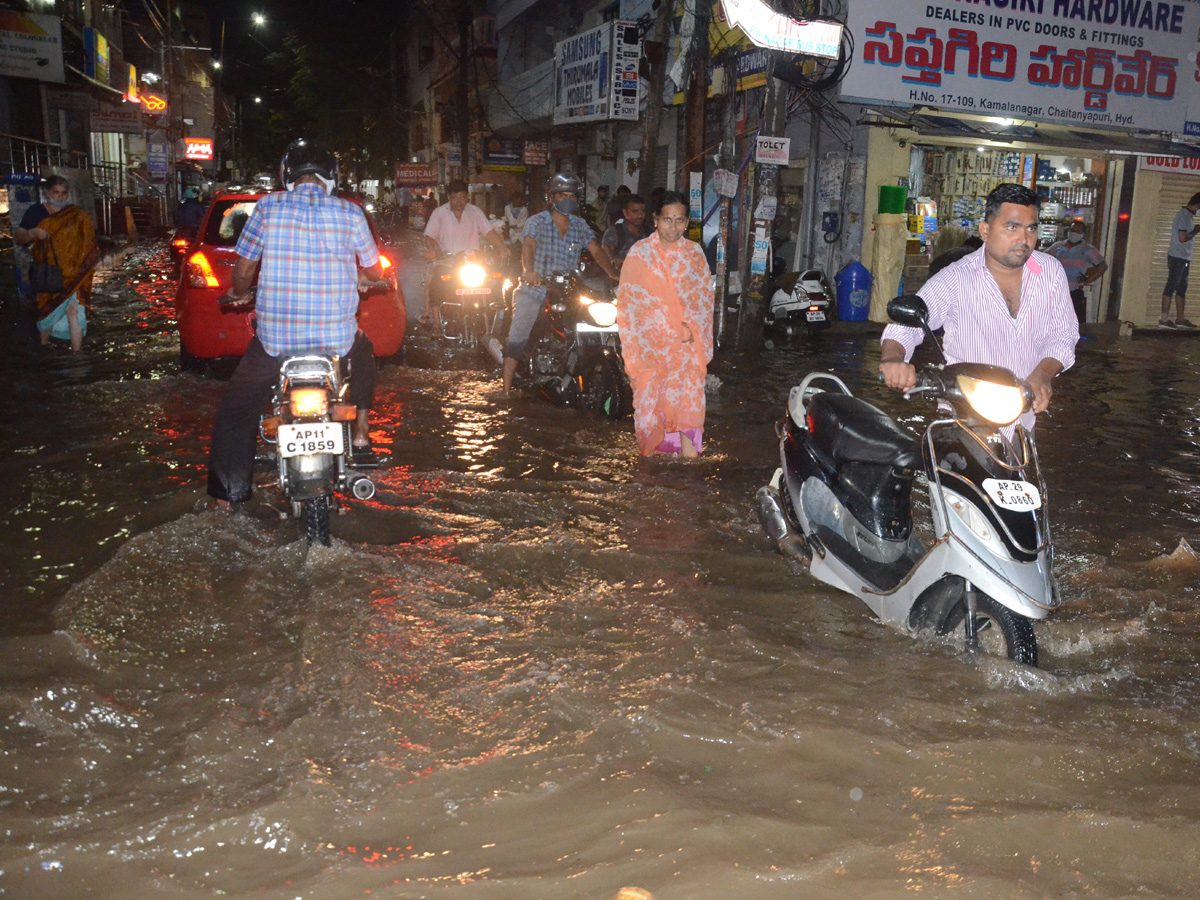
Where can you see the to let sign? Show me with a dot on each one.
(772, 150)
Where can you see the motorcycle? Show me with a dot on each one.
(310, 430)
(574, 352)
(181, 239)
(470, 286)
(801, 300)
(841, 499)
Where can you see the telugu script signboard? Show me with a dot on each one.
(1123, 64)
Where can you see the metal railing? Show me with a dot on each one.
(19, 154)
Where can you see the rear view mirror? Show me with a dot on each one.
(908, 310)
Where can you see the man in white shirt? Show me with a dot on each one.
(454, 227)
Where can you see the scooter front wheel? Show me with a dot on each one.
(999, 630)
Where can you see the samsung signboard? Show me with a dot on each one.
(596, 75)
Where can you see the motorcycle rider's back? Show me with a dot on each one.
(308, 247)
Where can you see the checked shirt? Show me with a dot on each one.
(310, 246)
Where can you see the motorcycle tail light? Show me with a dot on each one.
(343, 412)
(813, 308)
(200, 272)
(309, 402)
(179, 242)
(384, 262)
(472, 275)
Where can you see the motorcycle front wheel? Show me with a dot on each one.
(999, 630)
(604, 389)
(316, 520)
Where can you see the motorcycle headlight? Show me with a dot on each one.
(603, 314)
(998, 403)
(472, 275)
(586, 300)
(309, 402)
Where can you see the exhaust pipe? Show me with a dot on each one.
(770, 515)
(495, 350)
(362, 488)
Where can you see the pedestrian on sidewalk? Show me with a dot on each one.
(1082, 262)
(1179, 261)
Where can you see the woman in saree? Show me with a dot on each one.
(665, 318)
(62, 235)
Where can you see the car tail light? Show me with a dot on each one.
(180, 242)
(200, 272)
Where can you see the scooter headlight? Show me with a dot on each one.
(309, 402)
(602, 313)
(1000, 404)
(472, 275)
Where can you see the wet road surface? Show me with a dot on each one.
(537, 666)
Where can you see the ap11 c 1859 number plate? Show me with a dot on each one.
(310, 438)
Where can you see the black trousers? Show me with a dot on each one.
(1079, 301)
(231, 456)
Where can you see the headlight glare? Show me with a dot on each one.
(472, 275)
(603, 314)
(998, 403)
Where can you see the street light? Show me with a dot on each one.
(259, 19)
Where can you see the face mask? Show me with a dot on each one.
(568, 206)
(58, 204)
(1074, 237)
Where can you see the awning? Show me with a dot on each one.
(1025, 135)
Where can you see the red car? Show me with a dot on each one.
(206, 334)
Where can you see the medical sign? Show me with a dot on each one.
(1124, 64)
(596, 75)
(416, 174)
(197, 148)
(31, 46)
(767, 28)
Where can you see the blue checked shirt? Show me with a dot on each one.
(311, 246)
(555, 252)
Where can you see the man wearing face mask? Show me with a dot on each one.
(1082, 262)
(553, 242)
(306, 247)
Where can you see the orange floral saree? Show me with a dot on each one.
(665, 318)
(75, 250)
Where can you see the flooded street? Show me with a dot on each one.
(536, 666)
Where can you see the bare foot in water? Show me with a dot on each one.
(688, 450)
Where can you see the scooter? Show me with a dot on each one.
(801, 300)
(841, 499)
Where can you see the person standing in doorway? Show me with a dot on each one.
(1082, 262)
(1179, 260)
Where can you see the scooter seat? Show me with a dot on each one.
(851, 430)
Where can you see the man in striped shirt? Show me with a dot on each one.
(1006, 304)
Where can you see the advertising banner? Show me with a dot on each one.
(416, 174)
(197, 148)
(95, 55)
(111, 120)
(537, 153)
(1176, 165)
(595, 75)
(500, 155)
(31, 46)
(158, 161)
(1122, 64)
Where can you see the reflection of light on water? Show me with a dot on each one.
(477, 423)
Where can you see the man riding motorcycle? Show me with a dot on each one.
(310, 246)
(454, 227)
(553, 242)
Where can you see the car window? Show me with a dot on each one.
(226, 221)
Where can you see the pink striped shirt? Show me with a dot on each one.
(965, 300)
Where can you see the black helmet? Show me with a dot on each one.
(305, 157)
(564, 181)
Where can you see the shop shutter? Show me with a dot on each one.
(1176, 191)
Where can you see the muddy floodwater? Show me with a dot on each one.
(535, 666)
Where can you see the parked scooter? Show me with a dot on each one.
(801, 301)
(470, 286)
(842, 497)
(574, 352)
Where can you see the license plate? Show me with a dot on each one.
(815, 315)
(311, 438)
(472, 291)
(1016, 495)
